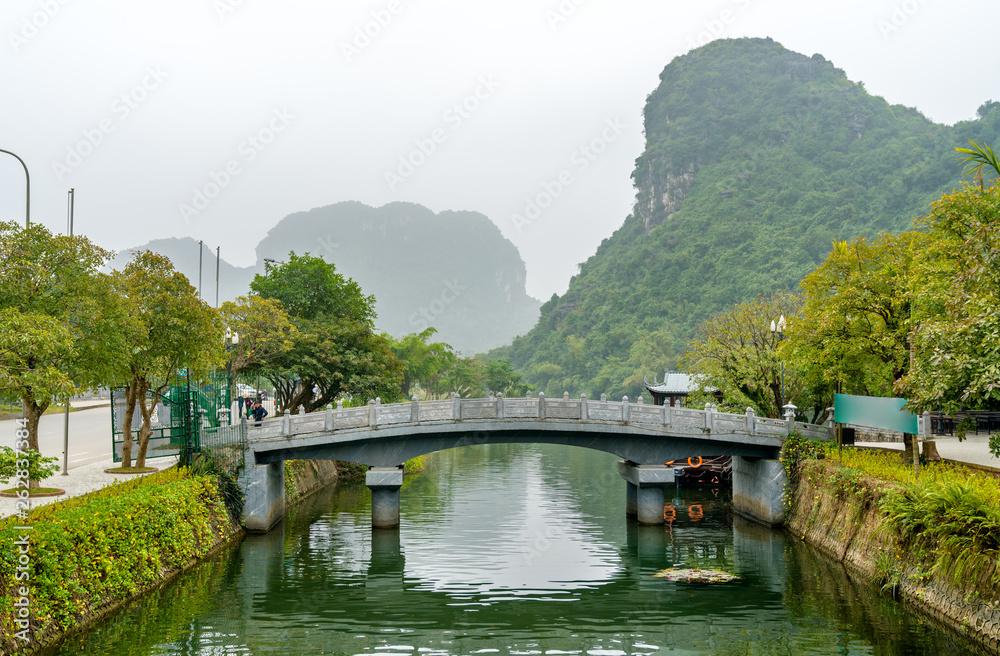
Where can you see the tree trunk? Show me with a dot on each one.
(130, 396)
(146, 430)
(33, 412)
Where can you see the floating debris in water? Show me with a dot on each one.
(696, 575)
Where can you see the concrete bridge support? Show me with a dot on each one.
(644, 490)
(384, 482)
(759, 489)
(264, 496)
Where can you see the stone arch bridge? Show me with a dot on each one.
(646, 437)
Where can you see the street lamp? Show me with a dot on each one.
(231, 341)
(778, 329)
(27, 194)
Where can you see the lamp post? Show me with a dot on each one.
(27, 193)
(778, 330)
(231, 341)
(69, 225)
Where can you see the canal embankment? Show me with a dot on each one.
(70, 564)
(930, 542)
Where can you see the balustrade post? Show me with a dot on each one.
(565, 396)
(501, 411)
(456, 412)
(751, 422)
(604, 398)
(625, 409)
(244, 430)
(302, 410)
(709, 416)
(328, 418)
(583, 408)
(415, 409)
(541, 405)
(286, 423)
(667, 418)
(372, 414)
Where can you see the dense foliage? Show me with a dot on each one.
(756, 160)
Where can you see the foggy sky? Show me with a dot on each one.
(216, 118)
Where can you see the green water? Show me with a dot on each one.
(514, 550)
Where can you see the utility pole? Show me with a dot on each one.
(69, 230)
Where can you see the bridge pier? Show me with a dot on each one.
(759, 489)
(264, 496)
(384, 482)
(644, 490)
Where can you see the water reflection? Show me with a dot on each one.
(515, 550)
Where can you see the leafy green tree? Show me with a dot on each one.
(501, 378)
(737, 354)
(61, 324)
(853, 330)
(425, 362)
(264, 329)
(957, 284)
(170, 329)
(335, 350)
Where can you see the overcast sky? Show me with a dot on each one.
(216, 118)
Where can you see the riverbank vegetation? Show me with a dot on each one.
(90, 553)
(940, 527)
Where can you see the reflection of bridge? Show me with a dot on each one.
(645, 436)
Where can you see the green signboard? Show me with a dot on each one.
(875, 412)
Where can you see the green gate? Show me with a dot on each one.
(191, 416)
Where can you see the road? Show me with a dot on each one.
(89, 435)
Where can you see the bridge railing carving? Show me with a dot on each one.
(375, 414)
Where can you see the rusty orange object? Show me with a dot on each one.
(669, 514)
(696, 512)
(694, 466)
(669, 462)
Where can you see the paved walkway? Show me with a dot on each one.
(974, 450)
(83, 479)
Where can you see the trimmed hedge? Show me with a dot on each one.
(102, 548)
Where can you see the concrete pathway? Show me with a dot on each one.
(83, 479)
(974, 450)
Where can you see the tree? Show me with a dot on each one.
(957, 327)
(335, 350)
(171, 329)
(978, 156)
(61, 323)
(425, 362)
(264, 329)
(737, 354)
(501, 378)
(852, 334)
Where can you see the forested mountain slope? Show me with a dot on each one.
(756, 159)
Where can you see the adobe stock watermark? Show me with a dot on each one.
(424, 318)
(899, 16)
(33, 24)
(562, 12)
(223, 8)
(365, 34)
(454, 118)
(716, 27)
(247, 151)
(121, 108)
(579, 161)
(21, 597)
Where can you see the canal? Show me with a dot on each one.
(514, 549)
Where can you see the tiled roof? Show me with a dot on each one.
(673, 383)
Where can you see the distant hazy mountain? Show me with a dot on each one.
(454, 270)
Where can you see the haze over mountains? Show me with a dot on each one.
(453, 270)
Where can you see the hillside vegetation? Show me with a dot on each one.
(757, 158)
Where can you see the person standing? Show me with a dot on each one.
(258, 412)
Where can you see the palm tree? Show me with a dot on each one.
(978, 156)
